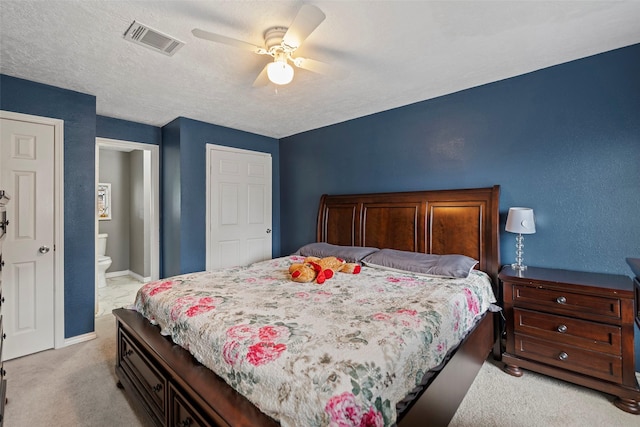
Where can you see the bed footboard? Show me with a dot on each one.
(170, 386)
(440, 401)
(173, 388)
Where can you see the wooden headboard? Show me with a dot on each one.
(434, 222)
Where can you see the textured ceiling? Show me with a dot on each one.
(396, 52)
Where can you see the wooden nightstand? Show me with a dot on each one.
(634, 263)
(574, 326)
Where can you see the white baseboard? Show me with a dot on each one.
(139, 277)
(78, 339)
(128, 273)
(117, 274)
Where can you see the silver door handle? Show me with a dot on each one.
(43, 249)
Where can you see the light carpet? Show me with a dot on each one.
(76, 386)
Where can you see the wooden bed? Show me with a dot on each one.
(172, 388)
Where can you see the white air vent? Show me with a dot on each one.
(153, 39)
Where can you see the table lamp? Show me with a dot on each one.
(521, 221)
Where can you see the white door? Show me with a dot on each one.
(240, 207)
(27, 175)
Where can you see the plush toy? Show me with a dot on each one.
(323, 273)
(350, 268)
(339, 265)
(302, 273)
(328, 263)
(320, 269)
(326, 267)
(308, 272)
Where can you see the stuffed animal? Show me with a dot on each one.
(302, 273)
(350, 268)
(326, 267)
(339, 265)
(323, 273)
(320, 269)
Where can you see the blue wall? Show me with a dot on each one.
(170, 196)
(124, 130)
(184, 243)
(564, 141)
(79, 114)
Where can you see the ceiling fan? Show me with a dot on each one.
(281, 43)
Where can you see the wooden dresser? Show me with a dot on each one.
(574, 326)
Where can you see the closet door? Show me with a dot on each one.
(239, 211)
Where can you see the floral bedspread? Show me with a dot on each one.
(338, 354)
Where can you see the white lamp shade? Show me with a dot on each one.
(280, 73)
(520, 220)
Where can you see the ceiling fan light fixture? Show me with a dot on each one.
(280, 43)
(280, 72)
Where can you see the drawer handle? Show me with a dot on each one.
(157, 388)
(128, 352)
(563, 356)
(186, 422)
(562, 329)
(561, 300)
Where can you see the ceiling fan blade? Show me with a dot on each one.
(320, 67)
(206, 35)
(307, 20)
(262, 79)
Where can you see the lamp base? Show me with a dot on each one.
(518, 267)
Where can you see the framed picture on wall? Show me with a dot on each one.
(104, 201)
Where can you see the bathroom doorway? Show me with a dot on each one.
(127, 221)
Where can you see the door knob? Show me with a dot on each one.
(43, 249)
(268, 230)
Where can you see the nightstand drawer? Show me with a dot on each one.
(592, 363)
(578, 305)
(636, 284)
(580, 333)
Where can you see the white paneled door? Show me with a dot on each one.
(27, 175)
(240, 207)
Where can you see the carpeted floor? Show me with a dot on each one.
(534, 400)
(72, 386)
(76, 386)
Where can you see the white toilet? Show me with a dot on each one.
(104, 262)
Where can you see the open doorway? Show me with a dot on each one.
(127, 221)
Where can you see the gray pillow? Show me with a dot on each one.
(347, 253)
(449, 266)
